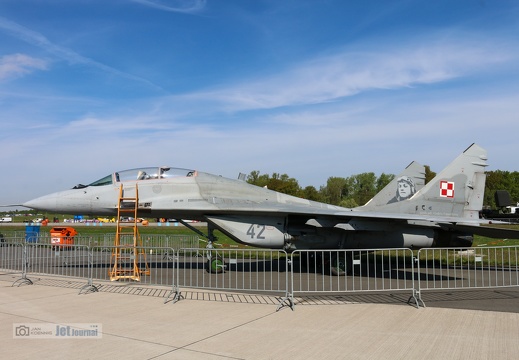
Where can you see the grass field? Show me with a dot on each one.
(83, 230)
(18, 231)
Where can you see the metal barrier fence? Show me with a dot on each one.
(121, 264)
(12, 259)
(303, 272)
(238, 270)
(146, 265)
(342, 271)
(13, 234)
(473, 268)
(57, 260)
(148, 240)
(134, 265)
(176, 242)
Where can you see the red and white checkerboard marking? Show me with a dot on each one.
(447, 189)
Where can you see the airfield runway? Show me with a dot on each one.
(136, 324)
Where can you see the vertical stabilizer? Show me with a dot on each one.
(402, 187)
(457, 191)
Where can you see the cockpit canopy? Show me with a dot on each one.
(139, 174)
(151, 173)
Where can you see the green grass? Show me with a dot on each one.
(145, 231)
(482, 241)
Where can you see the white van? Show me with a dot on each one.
(6, 219)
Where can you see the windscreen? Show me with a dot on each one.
(107, 180)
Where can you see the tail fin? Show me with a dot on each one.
(412, 179)
(457, 191)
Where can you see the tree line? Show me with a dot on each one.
(358, 189)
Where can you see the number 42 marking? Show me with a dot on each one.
(252, 233)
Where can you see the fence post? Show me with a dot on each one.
(89, 287)
(288, 299)
(25, 262)
(416, 296)
(175, 290)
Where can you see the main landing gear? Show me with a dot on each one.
(215, 263)
(335, 263)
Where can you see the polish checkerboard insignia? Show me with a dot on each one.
(447, 189)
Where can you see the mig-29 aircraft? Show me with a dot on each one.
(406, 213)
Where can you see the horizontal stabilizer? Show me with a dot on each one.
(493, 232)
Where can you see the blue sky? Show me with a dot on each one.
(309, 88)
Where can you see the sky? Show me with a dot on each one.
(312, 89)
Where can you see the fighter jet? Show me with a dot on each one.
(443, 213)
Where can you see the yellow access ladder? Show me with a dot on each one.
(127, 251)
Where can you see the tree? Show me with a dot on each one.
(284, 184)
(501, 180)
(364, 187)
(358, 189)
(429, 175)
(255, 178)
(383, 180)
(348, 203)
(334, 191)
(280, 183)
(311, 193)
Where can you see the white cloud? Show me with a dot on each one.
(351, 72)
(34, 38)
(182, 6)
(16, 65)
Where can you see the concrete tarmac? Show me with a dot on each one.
(136, 324)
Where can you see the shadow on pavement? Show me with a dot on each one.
(501, 300)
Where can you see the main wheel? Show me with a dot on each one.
(338, 266)
(215, 265)
(341, 264)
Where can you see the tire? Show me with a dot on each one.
(215, 265)
(338, 266)
(341, 265)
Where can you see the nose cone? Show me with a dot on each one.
(66, 202)
(74, 202)
(46, 203)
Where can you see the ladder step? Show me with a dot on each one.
(125, 266)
